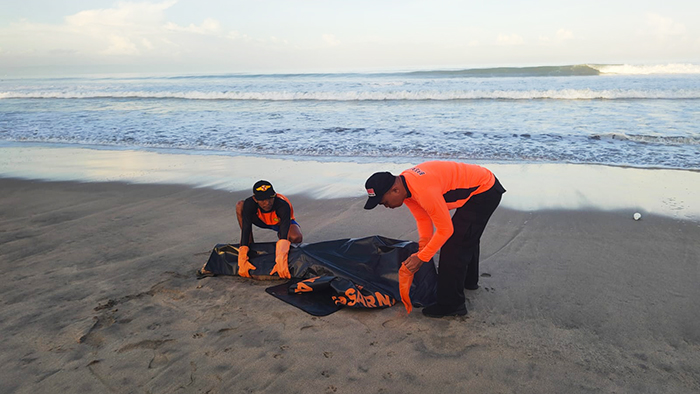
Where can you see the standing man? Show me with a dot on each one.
(267, 209)
(430, 190)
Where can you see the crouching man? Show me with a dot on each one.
(269, 210)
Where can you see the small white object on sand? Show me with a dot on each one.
(637, 216)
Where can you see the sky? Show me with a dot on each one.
(270, 36)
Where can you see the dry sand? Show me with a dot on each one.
(99, 295)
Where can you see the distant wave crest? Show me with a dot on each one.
(540, 71)
(656, 69)
(492, 72)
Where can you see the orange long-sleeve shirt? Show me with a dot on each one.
(434, 188)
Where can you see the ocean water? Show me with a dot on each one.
(640, 116)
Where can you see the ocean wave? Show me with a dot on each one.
(649, 139)
(397, 95)
(655, 69)
(621, 155)
(535, 71)
(540, 71)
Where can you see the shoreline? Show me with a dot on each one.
(100, 295)
(531, 186)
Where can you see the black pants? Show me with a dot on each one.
(459, 256)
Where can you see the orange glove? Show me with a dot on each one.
(405, 281)
(243, 264)
(281, 255)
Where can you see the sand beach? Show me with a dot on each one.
(129, 130)
(99, 294)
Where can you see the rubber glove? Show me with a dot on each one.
(281, 255)
(243, 264)
(405, 281)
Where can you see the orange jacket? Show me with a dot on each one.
(271, 217)
(434, 188)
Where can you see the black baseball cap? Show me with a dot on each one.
(377, 185)
(262, 190)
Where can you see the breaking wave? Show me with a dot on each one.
(649, 139)
(656, 69)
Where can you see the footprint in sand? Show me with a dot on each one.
(392, 323)
(158, 360)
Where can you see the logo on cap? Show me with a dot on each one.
(371, 193)
(263, 188)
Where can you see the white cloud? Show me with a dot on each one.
(560, 36)
(147, 43)
(208, 27)
(513, 39)
(563, 35)
(330, 39)
(133, 29)
(121, 46)
(664, 28)
(127, 29)
(126, 14)
(236, 35)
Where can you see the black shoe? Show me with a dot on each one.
(471, 287)
(437, 310)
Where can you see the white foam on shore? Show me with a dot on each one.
(530, 186)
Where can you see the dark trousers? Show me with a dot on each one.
(459, 256)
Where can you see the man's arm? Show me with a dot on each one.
(284, 213)
(434, 206)
(423, 223)
(250, 208)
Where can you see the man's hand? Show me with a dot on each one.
(244, 265)
(281, 259)
(413, 263)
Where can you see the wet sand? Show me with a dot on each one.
(99, 295)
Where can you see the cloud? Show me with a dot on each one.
(121, 46)
(125, 15)
(128, 29)
(275, 40)
(330, 39)
(663, 28)
(208, 27)
(147, 43)
(513, 39)
(560, 36)
(563, 35)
